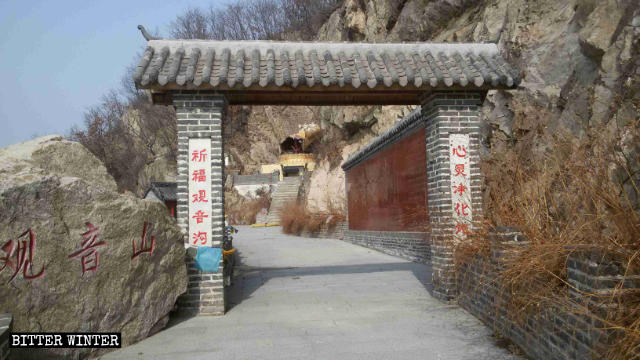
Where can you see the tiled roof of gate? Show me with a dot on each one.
(223, 65)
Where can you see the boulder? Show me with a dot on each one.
(94, 260)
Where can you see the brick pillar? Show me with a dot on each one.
(446, 114)
(200, 117)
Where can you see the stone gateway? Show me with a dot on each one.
(200, 78)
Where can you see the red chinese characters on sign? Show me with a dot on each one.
(199, 155)
(199, 175)
(199, 236)
(459, 151)
(460, 189)
(462, 228)
(460, 209)
(89, 256)
(22, 253)
(200, 216)
(459, 168)
(201, 196)
(143, 245)
(460, 183)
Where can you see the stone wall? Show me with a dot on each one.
(572, 331)
(414, 246)
(6, 322)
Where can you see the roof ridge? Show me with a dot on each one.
(388, 66)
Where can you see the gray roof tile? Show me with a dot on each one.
(163, 190)
(223, 65)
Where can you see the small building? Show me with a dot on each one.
(165, 192)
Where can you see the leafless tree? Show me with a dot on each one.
(192, 24)
(106, 136)
(127, 132)
(155, 128)
(253, 20)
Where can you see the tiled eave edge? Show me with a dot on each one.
(401, 129)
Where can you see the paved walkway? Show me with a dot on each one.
(299, 298)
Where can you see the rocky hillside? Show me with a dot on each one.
(578, 60)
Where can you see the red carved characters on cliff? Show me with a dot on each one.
(89, 256)
(146, 233)
(19, 256)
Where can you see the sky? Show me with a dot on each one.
(58, 58)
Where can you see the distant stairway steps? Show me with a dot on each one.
(286, 191)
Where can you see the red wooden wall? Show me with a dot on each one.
(388, 192)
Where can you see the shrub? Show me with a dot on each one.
(242, 211)
(582, 193)
(295, 219)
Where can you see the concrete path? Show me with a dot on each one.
(299, 298)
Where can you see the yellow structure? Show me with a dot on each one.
(305, 161)
(270, 168)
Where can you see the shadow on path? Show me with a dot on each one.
(247, 279)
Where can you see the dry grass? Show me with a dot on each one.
(242, 211)
(293, 218)
(580, 194)
(296, 218)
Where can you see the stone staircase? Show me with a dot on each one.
(286, 191)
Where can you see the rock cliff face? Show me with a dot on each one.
(578, 60)
(75, 255)
(253, 134)
(574, 55)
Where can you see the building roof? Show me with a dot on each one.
(165, 191)
(242, 66)
(402, 128)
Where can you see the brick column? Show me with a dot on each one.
(200, 117)
(449, 113)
